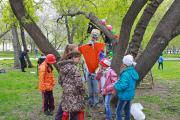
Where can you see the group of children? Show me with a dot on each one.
(104, 81)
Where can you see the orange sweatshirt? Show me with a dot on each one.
(46, 79)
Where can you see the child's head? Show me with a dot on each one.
(128, 60)
(75, 56)
(95, 33)
(105, 63)
(69, 48)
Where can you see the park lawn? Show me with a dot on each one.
(163, 101)
(21, 100)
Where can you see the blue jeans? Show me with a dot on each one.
(92, 89)
(123, 105)
(107, 106)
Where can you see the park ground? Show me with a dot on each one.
(21, 100)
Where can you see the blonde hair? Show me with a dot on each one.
(69, 49)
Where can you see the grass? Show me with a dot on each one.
(162, 102)
(21, 100)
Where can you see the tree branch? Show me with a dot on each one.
(163, 34)
(93, 19)
(126, 27)
(140, 29)
(4, 33)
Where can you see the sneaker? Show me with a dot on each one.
(51, 113)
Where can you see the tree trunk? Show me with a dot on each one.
(32, 29)
(68, 31)
(73, 31)
(141, 27)
(16, 46)
(127, 23)
(160, 39)
(25, 46)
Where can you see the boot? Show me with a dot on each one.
(81, 115)
(65, 116)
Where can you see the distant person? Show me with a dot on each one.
(46, 84)
(22, 60)
(160, 62)
(35, 52)
(125, 87)
(41, 59)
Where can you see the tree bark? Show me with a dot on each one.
(68, 30)
(127, 23)
(32, 29)
(141, 27)
(16, 47)
(25, 46)
(160, 39)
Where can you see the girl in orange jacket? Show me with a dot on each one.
(46, 84)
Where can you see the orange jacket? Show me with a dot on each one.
(91, 55)
(46, 79)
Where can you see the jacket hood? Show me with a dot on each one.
(131, 70)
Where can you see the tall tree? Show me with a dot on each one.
(32, 28)
(16, 46)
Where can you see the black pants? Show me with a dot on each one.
(23, 64)
(48, 101)
(59, 114)
(160, 66)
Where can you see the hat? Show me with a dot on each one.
(50, 58)
(129, 60)
(105, 62)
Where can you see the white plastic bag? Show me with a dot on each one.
(136, 111)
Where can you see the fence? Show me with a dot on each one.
(173, 50)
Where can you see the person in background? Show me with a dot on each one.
(125, 87)
(41, 59)
(22, 60)
(35, 52)
(160, 62)
(106, 78)
(46, 84)
(91, 53)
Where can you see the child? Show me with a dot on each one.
(125, 87)
(72, 100)
(46, 83)
(106, 77)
